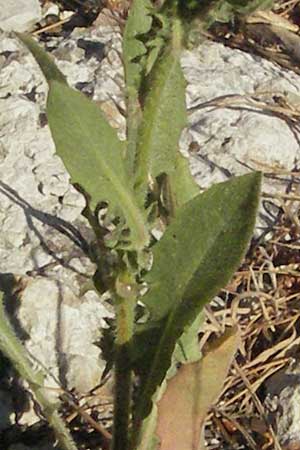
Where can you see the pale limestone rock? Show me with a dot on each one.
(19, 15)
(282, 405)
(62, 329)
(230, 139)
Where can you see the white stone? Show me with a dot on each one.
(233, 138)
(282, 402)
(36, 197)
(19, 15)
(66, 14)
(50, 8)
(234, 141)
(62, 329)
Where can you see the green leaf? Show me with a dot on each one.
(206, 240)
(163, 120)
(155, 46)
(138, 23)
(47, 65)
(182, 184)
(186, 351)
(92, 154)
(89, 147)
(196, 256)
(187, 348)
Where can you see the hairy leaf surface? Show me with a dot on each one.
(202, 246)
(137, 25)
(196, 256)
(89, 147)
(182, 184)
(163, 120)
(92, 153)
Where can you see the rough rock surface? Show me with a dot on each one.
(43, 236)
(40, 211)
(234, 136)
(19, 15)
(222, 141)
(282, 404)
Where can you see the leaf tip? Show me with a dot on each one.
(47, 65)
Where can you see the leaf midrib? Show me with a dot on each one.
(164, 337)
(192, 272)
(128, 207)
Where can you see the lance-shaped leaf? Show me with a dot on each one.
(186, 351)
(204, 244)
(47, 65)
(196, 256)
(182, 410)
(138, 23)
(164, 118)
(90, 148)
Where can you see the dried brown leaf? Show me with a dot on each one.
(191, 392)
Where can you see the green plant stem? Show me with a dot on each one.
(133, 119)
(123, 372)
(12, 348)
(177, 35)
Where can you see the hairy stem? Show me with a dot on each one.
(125, 304)
(133, 119)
